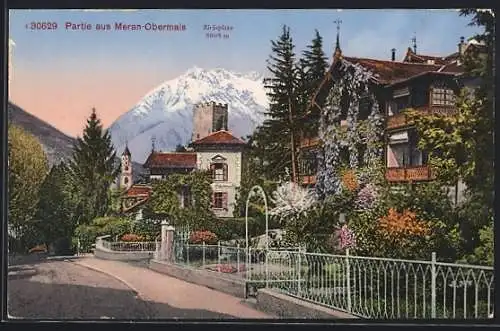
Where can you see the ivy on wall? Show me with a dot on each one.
(165, 198)
(351, 86)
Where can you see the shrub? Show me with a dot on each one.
(113, 226)
(350, 180)
(399, 225)
(131, 237)
(234, 228)
(199, 237)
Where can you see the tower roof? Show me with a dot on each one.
(126, 152)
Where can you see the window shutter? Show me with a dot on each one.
(213, 199)
(225, 172)
(224, 200)
(212, 170)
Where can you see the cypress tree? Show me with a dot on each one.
(93, 169)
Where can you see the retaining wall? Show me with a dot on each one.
(211, 279)
(286, 306)
(107, 254)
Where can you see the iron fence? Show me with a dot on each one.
(382, 288)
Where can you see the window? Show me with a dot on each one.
(395, 106)
(361, 154)
(219, 200)
(344, 155)
(401, 154)
(126, 168)
(125, 180)
(308, 163)
(186, 199)
(219, 172)
(365, 104)
(443, 97)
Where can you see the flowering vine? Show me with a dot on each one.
(327, 178)
(366, 197)
(353, 84)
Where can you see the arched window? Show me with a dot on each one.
(219, 171)
(125, 180)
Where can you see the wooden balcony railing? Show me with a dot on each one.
(402, 120)
(309, 142)
(308, 180)
(409, 174)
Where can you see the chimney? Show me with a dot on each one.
(393, 57)
(461, 46)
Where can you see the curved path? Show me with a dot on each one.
(89, 288)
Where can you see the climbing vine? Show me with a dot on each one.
(327, 177)
(353, 84)
(165, 197)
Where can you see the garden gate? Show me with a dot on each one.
(181, 238)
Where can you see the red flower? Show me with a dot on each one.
(199, 237)
(131, 237)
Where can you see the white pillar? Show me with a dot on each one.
(167, 242)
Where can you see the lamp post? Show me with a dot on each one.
(254, 191)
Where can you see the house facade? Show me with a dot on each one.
(221, 153)
(357, 115)
(217, 151)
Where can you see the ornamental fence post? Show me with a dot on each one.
(433, 285)
(348, 279)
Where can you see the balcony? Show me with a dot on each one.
(402, 120)
(308, 180)
(409, 174)
(309, 142)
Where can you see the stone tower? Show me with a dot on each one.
(126, 173)
(208, 118)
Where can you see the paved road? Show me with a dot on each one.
(63, 289)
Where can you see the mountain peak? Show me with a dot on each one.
(166, 112)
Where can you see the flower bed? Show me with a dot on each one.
(227, 268)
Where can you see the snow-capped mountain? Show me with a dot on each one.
(166, 113)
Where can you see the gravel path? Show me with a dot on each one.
(60, 289)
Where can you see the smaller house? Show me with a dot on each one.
(221, 152)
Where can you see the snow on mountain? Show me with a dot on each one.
(166, 113)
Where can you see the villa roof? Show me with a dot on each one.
(412, 57)
(222, 137)
(388, 71)
(171, 160)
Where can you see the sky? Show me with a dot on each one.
(59, 75)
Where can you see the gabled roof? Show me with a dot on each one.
(138, 190)
(171, 160)
(386, 72)
(222, 137)
(412, 57)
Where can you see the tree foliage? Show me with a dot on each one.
(55, 209)
(28, 167)
(93, 169)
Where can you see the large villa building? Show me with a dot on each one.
(213, 148)
(383, 88)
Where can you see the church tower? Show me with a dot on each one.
(126, 173)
